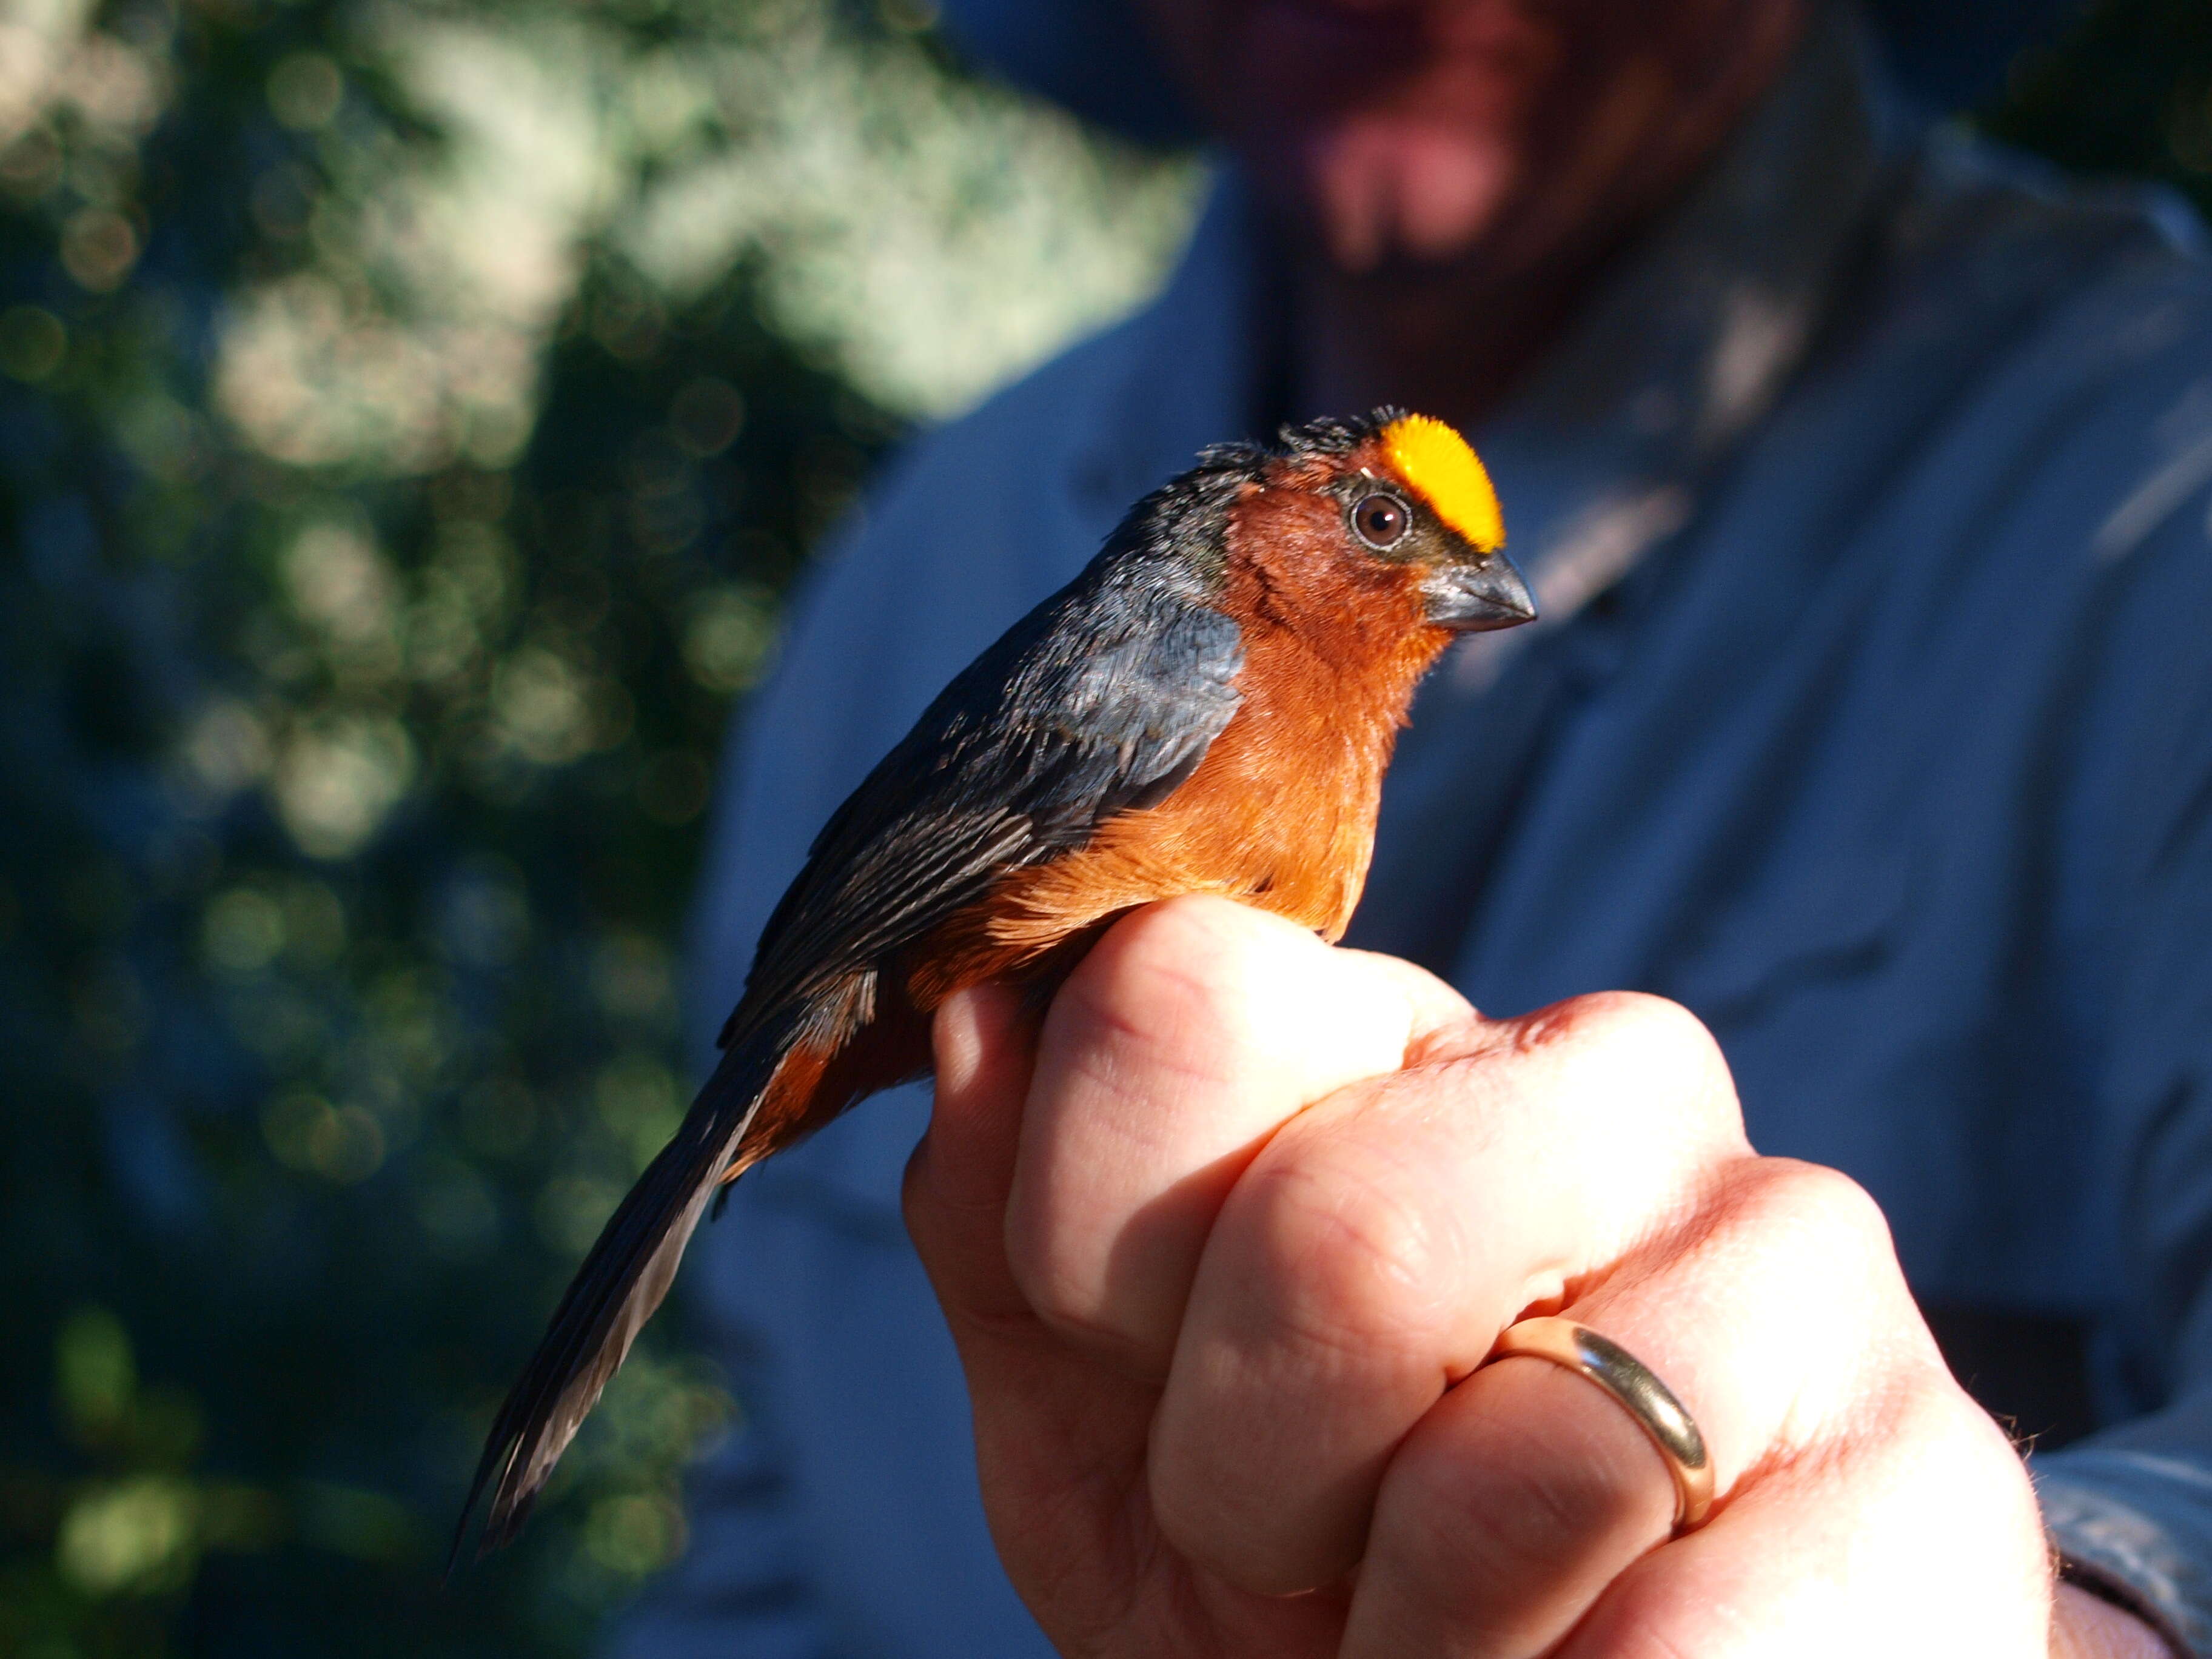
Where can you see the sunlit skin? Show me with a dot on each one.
(1223, 1247)
(1224, 1243)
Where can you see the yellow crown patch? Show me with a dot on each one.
(1436, 461)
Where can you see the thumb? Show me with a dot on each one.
(958, 1178)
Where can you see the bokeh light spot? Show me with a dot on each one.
(338, 581)
(338, 780)
(634, 1533)
(342, 1144)
(135, 1536)
(541, 703)
(304, 90)
(31, 166)
(728, 636)
(33, 342)
(98, 249)
(226, 747)
(242, 930)
(640, 1102)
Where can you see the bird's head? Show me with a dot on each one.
(1384, 528)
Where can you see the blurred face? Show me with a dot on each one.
(1431, 131)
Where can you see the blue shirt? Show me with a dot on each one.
(1871, 717)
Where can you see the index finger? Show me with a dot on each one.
(957, 1180)
(1187, 1038)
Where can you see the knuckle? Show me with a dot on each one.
(1347, 1260)
(1637, 1080)
(1834, 1218)
(1803, 1236)
(1811, 1245)
(1662, 1032)
(1638, 1041)
(1957, 1432)
(1913, 1418)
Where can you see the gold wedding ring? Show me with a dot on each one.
(1649, 1400)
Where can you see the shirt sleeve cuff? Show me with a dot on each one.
(2135, 1528)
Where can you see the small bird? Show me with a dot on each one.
(1208, 708)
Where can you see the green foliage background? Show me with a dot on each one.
(390, 520)
(370, 613)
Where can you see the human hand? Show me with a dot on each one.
(1224, 1248)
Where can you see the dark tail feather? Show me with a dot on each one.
(614, 1293)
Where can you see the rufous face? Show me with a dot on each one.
(1430, 130)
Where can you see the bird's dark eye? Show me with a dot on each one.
(1380, 519)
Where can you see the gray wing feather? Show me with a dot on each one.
(1101, 701)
